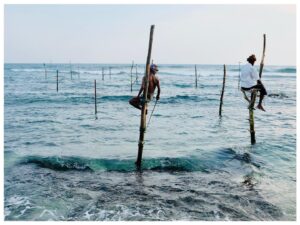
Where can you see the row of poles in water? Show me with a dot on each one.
(145, 104)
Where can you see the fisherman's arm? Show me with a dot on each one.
(255, 75)
(140, 91)
(158, 90)
(142, 87)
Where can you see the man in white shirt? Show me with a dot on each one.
(250, 80)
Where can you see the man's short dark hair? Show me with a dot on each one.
(251, 58)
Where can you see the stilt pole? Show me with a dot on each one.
(71, 71)
(136, 74)
(251, 117)
(95, 92)
(131, 83)
(145, 103)
(239, 80)
(222, 93)
(102, 73)
(45, 71)
(196, 76)
(56, 80)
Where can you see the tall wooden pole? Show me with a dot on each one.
(102, 73)
(109, 72)
(262, 58)
(222, 93)
(145, 103)
(45, 71)
(95, 92)
(131, 76)
(196, 77)
(56, 80)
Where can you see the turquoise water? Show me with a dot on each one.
(63, 164)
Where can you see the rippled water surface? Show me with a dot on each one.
(63, 164)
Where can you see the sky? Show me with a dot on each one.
(184, 34)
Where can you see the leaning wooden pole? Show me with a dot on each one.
(196, 77)
(145, 103)
(222, 93)
(262, 58)
(95, 92)
(56, 80)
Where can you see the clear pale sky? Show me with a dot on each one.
(202, 34)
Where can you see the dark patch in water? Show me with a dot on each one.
(56, 163)
(85, 164)
(286, 70)
(279, 95)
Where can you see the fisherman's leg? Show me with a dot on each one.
(135, 102)
(262, 92)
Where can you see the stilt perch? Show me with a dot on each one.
(222, 93)
(253, 97)
(145, 103)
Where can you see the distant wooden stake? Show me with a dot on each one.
(239, 80)
(71, 71)
(95, 91)
(78, 73)
(136, 74)
(45, 71)
(196, 77)
(131, 83)
(145, 103)
(109, 72)
(102, 73)
(222, 93)
(56, 80)
(263, 58)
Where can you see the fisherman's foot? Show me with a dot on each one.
(261, 108)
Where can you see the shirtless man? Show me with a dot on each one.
(153, 83)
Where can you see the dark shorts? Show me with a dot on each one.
(259, 87)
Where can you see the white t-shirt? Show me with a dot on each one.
(249, 76)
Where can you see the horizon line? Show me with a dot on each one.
(142, 63)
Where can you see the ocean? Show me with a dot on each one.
(61, 163)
